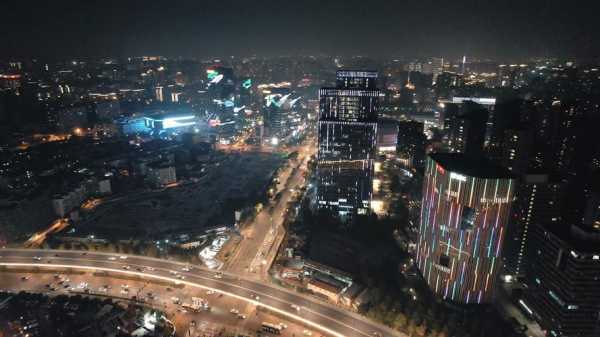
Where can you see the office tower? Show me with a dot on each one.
(537, 201)
(411, 143)
(159, 94)
(347, 134)
(387, 135)
(562, 291)
(516, 149)
(465, 127)
(465, 209)
(486, 103)
(275, 112)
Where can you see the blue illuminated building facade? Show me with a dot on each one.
(465, 209)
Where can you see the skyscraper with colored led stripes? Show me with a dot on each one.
(465, 210)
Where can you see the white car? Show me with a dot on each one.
(149, 269)
(37, 258)
(185, 269)
(181, 277)
(123, 257)
(234, 311)
(297, 308)
(210, 292)
(126, 267)
(112, 258)
(172, 272)
(218, 275)
(283, 325)
(241, 316)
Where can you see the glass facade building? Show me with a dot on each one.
(466, 206)
(347, 134)
(562, 279)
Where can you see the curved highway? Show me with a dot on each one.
(319, 315)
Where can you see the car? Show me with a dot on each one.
(123, 257)
(186, 269)
(241, 316)
(149, 269)
(283, 325)
(112, 258)
(124, 291)
(66, 286)
(37, 258)
(210, 292)
(297, 308)
(234, 311)
(172, 272)
(175, 300)
(181, 277)
(219, 275)
(256, 297)
(126, 267)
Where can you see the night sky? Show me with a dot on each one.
(483, 28)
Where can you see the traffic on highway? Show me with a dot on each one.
(328, 319)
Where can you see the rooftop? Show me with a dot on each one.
(581, 238)
(471, 166)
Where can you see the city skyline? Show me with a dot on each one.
(309, 168)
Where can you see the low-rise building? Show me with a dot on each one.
(161, 174)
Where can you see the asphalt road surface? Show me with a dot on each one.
(314, 314)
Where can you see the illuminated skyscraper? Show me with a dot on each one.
(466, 205)
(159, 94)
(347, 143)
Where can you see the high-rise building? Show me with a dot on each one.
(465, 210)
(465, 127)
(159, 94)
(411, 143)
(536, 201)
(562, 279)
(347, 132)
